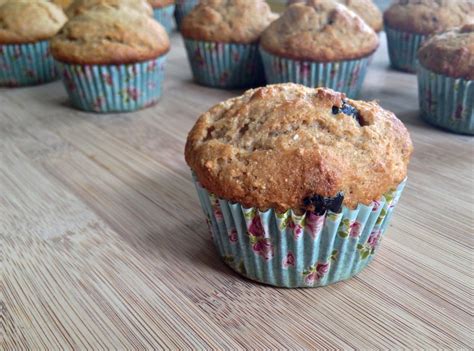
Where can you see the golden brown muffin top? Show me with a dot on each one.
(161, 3)
(276, 146)
(80, 6)
(227, 21)
(29, 21)
(64, 4)
(110, 36)
(428, 16)
(319, 30)
(366, 9)
(450, 53)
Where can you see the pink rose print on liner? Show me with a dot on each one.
(315, 224)
(260, 245)
(289, 260)
(315, 273)
(376, 205)
(198, 58)
(305, 69)
(236, 56)
(263, 247)
(355, 228)
(216, 209)
(233, 238)
(97, 105)
(458, 113)
(374, 238)
(297, 229)
(107, 78)
(224, 77)
(151, 66)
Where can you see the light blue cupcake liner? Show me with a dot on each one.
(114, 88)
(183, 7)
(164, 15)
(288, 250)
(446, 102)
(26, 64)
(343, 76)
(225, 65)
(403, 48)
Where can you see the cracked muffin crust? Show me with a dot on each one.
(428, 16)
(366, 9)
(227, 21)
(280, 145)
(319, 30)
(64, 4)
(29, 21)
(110, 36)
(450, 53)
(78, 7)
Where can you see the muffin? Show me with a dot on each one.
(163, 11)
(320, 43)
(183, 7)
(221, 38)
(25, 30)
(111, 60)
(446, 80)
(366, 9)
(275, 173)
(78, 7)
(409, 22)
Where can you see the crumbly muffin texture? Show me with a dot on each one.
(227, 21)
(450, 53)
(110, 36)
(366, 9)
(280, 145)
(428, 16)
(78, 7)
(319, 30)
(161, 3)
(29, 21)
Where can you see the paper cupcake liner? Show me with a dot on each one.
(403, 48)
(183, 7)
(164, 15)
(26, 64)
(446, 102)
(288, 250)
(114, 88)
(343, 76)
(225, 65)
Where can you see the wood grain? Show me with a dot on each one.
(103, 245)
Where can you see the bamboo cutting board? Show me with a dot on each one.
(103, 244)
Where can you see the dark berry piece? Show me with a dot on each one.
(320, 204)
(335, 110)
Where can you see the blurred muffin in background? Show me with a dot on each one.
(183, 7)
(221, 38)
(366, 9)
(78, 7)
(319, 43)
(409, 22)
(111, 59)
(25, 29)
(446, 79)
(163, 11)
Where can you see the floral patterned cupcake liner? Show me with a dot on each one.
(343, 76)
(114, 88)
(164, 15)
(403, 48)
(446, 102)
(288, 250)
(26, 64)
(183, 7)
(225, 65)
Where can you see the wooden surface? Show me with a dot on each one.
(104, 246)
